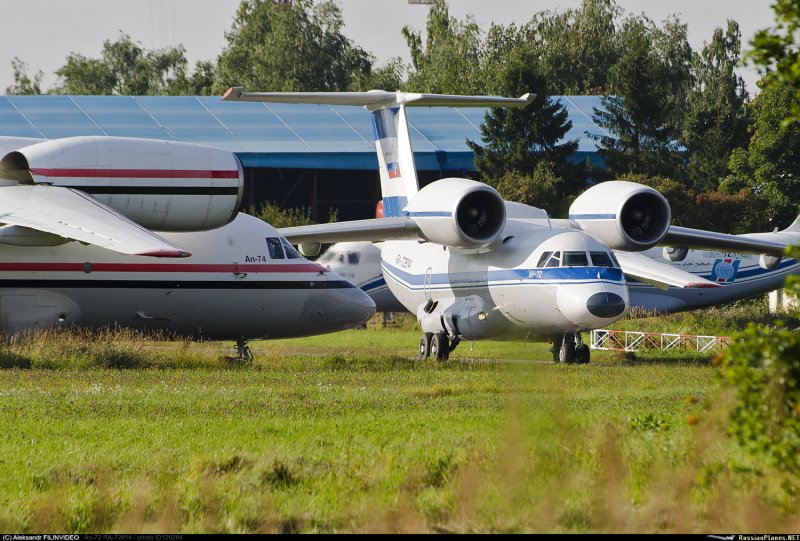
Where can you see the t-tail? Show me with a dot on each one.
(390, 128)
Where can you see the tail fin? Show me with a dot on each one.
(390, 128)
(795, 227)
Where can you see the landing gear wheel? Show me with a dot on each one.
(440, 349)
(566, 355)
(582, 354)
(425, 346)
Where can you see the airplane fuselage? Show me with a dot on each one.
(509, 291)
(240, 282)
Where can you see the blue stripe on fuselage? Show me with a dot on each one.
(393, 206)
(548, 275)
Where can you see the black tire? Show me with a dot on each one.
(566, 354)
(440, 349)
(555, 349)
(425, 346)
(582, 354)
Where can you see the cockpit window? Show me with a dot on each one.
(575, 259)
(352, 258)
(543, 259)
(275, 248)
(291, 253)
(554, 261)
(601, 259)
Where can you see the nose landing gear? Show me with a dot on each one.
(570, 349)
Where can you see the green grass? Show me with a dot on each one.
(345, 432)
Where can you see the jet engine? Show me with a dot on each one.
(161, 185)
(624, 215)
(458, 212)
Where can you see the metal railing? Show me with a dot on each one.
(607, 339)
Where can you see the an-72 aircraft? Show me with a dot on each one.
(472, 266)
(219, 274)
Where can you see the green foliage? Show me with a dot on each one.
(776, 51)
(543, 189)
(24, 84)
(520, 139)
(763, 366)
(295, 46)
(769, 168)
(125, 68)
(716, 120)
(648, 82)
(449, 62)
(286, 217)
(577, 47)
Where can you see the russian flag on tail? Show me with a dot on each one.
(394, 169)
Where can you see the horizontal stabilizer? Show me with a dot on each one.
(74, 215)
(661, 275)
(377, 98)
(375, 230)
(699, 239)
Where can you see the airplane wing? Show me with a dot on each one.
(661, 275)
(375, 230)
(709, 240)
(74, 215)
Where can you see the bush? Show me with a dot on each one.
(763, 365)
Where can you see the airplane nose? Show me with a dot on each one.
(605, 305)
(591, 305)
(339, 309)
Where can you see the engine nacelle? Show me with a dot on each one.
(161, 185)
(458, 212)
(624, 215)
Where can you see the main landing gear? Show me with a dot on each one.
(569, 349)
(437, 345)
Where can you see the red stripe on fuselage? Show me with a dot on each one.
(156, 267)
(135, 173)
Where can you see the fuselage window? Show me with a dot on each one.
(275, 248)
(543, 259)
(554, 261)
(291, 253)
(601, 259)
(352, 258)
(575, 259)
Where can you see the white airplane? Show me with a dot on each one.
(472, 266)
(742, 275)
(221, 274)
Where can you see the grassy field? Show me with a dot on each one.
(345, 432)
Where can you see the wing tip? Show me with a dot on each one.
(164, 253)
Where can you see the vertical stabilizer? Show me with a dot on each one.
(398, 172)
(390, 127)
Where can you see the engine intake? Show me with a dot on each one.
(624, 215)
(458, 212)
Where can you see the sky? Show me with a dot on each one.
(43, 32)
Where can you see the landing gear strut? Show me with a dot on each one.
(569, 349)
(243, 351)
(437, 345)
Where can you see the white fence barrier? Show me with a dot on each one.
(608, 339)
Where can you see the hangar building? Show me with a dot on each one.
(297, 155)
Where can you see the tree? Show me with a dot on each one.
(716, 122)
(577, 48)
(449, 62)
(769, 168)
(23, 83)
(520, 140)
(640, 116)
(776, 51)
(296, 46)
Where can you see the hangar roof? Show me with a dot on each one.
(269, 135)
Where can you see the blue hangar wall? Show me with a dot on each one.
(320, 157)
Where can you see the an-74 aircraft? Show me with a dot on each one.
(218, 274)
(472, 266)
